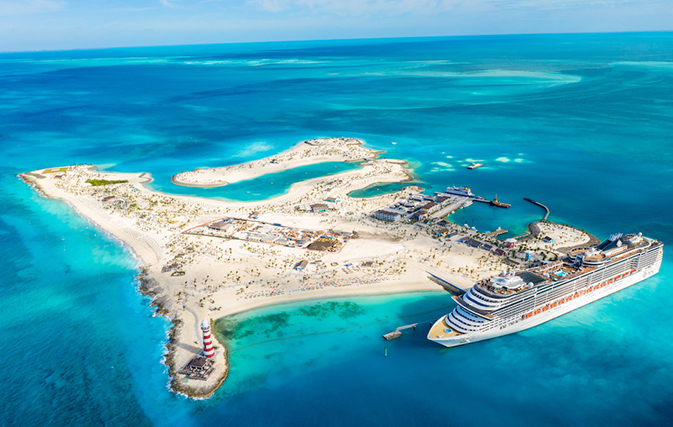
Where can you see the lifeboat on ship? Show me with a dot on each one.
(569, 299)
(529, 315)
(553, 304)
(538, 311)
(545, 308)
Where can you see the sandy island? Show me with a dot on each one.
(205, 258)
(305, 153)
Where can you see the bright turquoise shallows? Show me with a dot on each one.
(581, 123)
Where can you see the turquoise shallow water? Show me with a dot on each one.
(260, 188)
(581, 123)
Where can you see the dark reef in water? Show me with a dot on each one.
(345, 309)
(229, 328)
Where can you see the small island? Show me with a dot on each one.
(203, 259)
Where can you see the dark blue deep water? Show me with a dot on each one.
(582, 123)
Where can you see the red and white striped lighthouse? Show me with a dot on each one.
(208, 349)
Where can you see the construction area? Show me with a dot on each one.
(274, 234)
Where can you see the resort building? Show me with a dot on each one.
(389, 214)
(471, 242)
(301, 265)
(222, 225)
(319, 207)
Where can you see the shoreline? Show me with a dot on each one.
(194, 277)
(175, 181)
(304, 153)
(149, 280)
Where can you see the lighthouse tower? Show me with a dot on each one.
(208, 349)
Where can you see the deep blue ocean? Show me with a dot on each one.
(581, 123)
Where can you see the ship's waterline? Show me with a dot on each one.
(506, 305)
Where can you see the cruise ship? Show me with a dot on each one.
(459, 191)
(510, 303)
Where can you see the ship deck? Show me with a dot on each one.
(564, 269)
(440, 328)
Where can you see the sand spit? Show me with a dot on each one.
(192, 278)
(305, 153)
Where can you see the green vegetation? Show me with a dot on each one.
(56, 170)
(99, 182)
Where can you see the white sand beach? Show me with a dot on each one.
(195, 277)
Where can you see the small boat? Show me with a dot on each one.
(497, 203)
(394, 143)
(475, 165)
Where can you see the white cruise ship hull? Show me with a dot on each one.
(545, 316)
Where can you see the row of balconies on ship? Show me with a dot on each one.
(481, 305)
(463, 321)
(480, 300)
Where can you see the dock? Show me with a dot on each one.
(449, 209)
(540, 205)
(496, 232)
(392, 335)
(495, 202)
(398, 332)
(450, 287)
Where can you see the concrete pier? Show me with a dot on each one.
(398, 332)
(496, 232)
(540, 205)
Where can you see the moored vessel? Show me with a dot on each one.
(497, 203)
(459, 191)
(511, 303)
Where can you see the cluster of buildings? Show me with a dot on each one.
(329, 204)
(419, 206)
(509, 243)
(276, 234)
(469, 241)
(415, 207)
